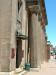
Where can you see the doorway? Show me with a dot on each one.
(19, 53)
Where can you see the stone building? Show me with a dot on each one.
(22, 34)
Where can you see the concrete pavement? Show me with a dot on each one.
(47, 69)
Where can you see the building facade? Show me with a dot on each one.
(22, 34)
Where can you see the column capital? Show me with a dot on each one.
(34, 9)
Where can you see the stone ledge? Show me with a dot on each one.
(7, 73)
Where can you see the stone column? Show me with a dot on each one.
(46, 49)
(13, 35)
(34, 38)
(24, 32)
(26, 41)
(32, 41)
(43, 45)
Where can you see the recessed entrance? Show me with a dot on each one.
(19, 53)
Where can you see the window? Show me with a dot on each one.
(19, 5)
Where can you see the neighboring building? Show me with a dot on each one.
(51, 49)
(22, 34)
(54, 50)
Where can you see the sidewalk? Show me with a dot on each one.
(47, 69)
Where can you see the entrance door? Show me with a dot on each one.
(19, 53)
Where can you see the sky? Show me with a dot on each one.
(51, 15)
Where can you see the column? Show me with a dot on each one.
(24, 32)
(34, 38)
